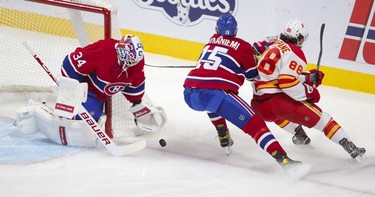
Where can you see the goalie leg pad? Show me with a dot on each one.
(26, 120)
(71, 94)
(66, 132)
(63, 131)
(76, 133)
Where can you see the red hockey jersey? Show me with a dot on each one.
(225, 62)
(97, 65)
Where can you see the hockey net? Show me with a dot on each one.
(54, 28)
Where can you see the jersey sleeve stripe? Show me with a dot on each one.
(70, 71)
(287, 81)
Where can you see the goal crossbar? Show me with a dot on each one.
(83, 7)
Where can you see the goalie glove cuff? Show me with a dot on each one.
(136, 103)
(140, 111)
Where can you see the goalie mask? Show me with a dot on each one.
(129, 51)
(296, 30)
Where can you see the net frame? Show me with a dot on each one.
(108, 12)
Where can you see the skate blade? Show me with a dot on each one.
(228, 150)
(302, 143)
(360, 158)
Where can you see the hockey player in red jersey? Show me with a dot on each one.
(108, 66)
(90, 75)
(224, 64)
(283, 92)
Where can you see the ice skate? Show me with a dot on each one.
(293, 168)
(284, 160)
(225, 140)
(355, 152)
(300, 137)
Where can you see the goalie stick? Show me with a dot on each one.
(114, 149)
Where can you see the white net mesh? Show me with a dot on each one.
(52, 32)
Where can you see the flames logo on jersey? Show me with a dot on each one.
(190, 12)
(113, 88)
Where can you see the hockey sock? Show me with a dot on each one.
(259, 131)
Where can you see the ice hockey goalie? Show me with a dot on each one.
(60, 126)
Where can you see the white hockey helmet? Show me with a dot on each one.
(129, 51)
(296, 29)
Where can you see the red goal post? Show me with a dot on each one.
(54, 28)
(84, 7)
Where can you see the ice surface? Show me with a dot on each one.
(193, 163)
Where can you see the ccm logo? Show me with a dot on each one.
(94, 126)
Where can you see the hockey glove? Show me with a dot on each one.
(148, 117)
(313, 77)
(260, 46)
(312, 94)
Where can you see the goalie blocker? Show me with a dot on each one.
(57, 125)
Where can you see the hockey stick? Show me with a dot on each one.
(168, 66)
(92, 124)
(321, 46)
(320, 52)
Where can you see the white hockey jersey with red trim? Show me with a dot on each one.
(280, 67)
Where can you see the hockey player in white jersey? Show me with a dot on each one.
(283, 91)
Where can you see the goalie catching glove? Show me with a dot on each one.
(148, 117)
